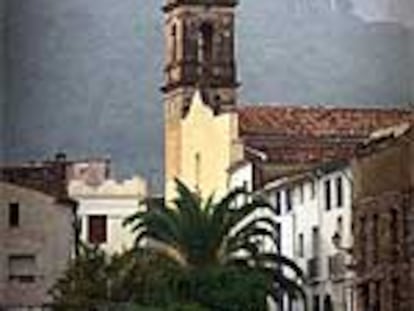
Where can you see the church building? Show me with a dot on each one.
(207, 132)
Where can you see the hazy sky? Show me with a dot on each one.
(2, 78)
(84, 75)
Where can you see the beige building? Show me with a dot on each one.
(37, 232)
(37, 239)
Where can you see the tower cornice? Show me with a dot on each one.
(190, 84)
(172, 4)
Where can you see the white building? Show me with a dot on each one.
(313, 206)
(103, 208)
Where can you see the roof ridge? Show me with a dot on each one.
(287, 106)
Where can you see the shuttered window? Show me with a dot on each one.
(328, 195)
(22, 268)
(97, 229)
(339, 192)
(14, 215)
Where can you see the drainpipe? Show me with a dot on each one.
(76, 228)
(349, 178)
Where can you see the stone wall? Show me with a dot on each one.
(44, 231)
(383, 218)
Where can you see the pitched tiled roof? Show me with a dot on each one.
(317, 121)
(312, 134)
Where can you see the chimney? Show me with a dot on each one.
(60, 168)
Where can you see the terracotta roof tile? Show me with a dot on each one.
(317, 121)
(312, 134)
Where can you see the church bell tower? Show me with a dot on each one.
(199, 54)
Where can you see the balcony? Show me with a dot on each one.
(314, 270)
(337, 267)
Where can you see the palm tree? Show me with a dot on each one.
(197, 234)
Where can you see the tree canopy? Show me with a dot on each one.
(199, 234)
(195, 255)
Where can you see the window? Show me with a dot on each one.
(278, 202)
(377, 298)
(406, 228)
(362, 238)
(278, 238)
(315, 241)
(301, 193)
(197, 170)
(97, 229)
(395, 294)
(288, 200)
(364, 296)
(22, 268)
(327, 303)
(339, 192)
(328, 195)
(315, 303)
(14, 214)
(301, 245)
(394, 233)
(312, 189)
(339, 225)
(290, 303)
(174, 43)
(206, 43)
(246, 189)
(375, 238)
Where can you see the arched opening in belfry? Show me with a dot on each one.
(205, 43)
(174, 43)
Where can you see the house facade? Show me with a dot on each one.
(312, 207)
(103, 208)
(37, 240)
(383, 217)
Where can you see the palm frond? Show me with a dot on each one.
(283, 285)
(199, 234)
(277, 261)
(133, 218)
